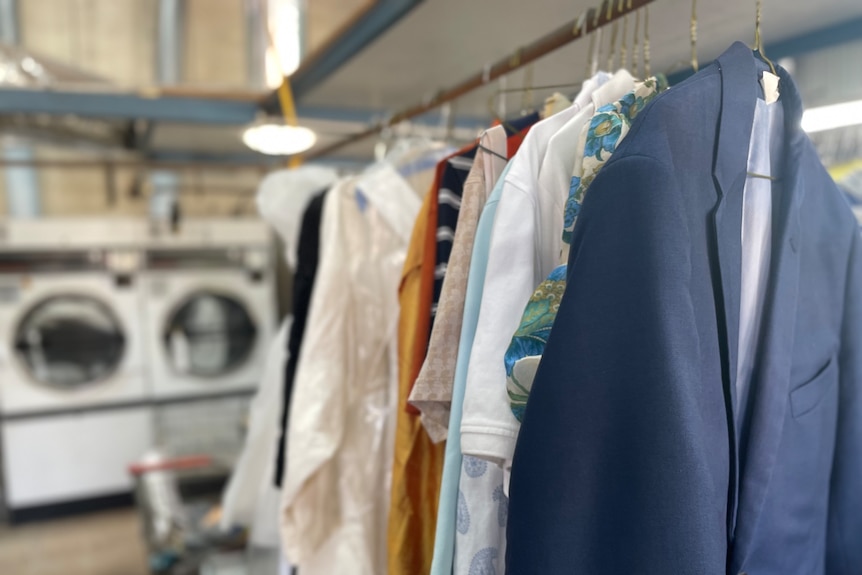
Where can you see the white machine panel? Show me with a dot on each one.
(71, 233)
(211, 233)
(66, 457)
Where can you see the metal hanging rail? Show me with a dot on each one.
(607, 12)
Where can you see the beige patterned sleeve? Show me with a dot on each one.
(432, 392)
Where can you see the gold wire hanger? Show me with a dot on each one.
(693, 36)
(762, 176)
(527, 102)
(596, 44)
(636, 44)
(514, 62)
(583, 19)
(758, 50)
(681, 64)
(647, 64)
(612, 47)
(758, 38)
(624, 52)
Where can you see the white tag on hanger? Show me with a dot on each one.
(769, 82)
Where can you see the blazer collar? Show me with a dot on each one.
(755, 452)
(736, 117)
(739, 93)
(738, 99)
(761, 437)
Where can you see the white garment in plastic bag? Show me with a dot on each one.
(282, 197)
(340, 435)
(251, 498)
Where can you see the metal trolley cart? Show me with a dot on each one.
(181, 530)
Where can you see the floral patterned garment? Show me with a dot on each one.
(600, 138)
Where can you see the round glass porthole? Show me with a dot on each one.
(69, 341)
(209, 334)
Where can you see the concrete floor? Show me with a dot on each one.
(107, 543)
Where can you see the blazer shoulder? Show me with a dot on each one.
(680, 110)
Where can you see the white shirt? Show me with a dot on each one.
(558, 164)
(518, 259)
(525, 247)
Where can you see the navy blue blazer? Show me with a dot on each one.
(628, 460)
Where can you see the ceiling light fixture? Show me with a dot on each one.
(276, 138)
(285, 28)
(832, 117)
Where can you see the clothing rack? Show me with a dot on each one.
(594, 19)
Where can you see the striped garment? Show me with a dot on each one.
(449, 205)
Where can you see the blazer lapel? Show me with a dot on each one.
(771, 380)
(738, 99)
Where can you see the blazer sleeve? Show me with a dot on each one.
(844, 535)
(611, 471)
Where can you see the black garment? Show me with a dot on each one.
(449, 193)
(308, 253)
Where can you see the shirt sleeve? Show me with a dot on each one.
(488, 427)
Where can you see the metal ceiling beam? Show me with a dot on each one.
(126, 106)
(840, 33)
(369, 25)
(164, 160)
(847, 31)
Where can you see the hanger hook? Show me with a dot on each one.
(596, 42)
(757, 10)
(647, 68)
(527, 100)
(515, 60)
(758, 38)
(624, 49)
(584, 32)
(694, 63)
(636, 43)
(579, 29)
(447, 119)
(592, 49)
(612, 47)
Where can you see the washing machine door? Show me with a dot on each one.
(69, 341)
(209, 335)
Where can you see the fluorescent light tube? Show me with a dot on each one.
(832, 117)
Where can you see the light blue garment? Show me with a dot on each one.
(447, 512)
